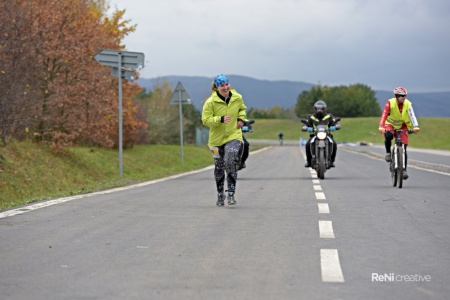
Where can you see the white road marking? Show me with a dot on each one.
(317, 187)
(326, 230)
(31, 207)
(330, 266)
(320, 196)
(329, 258)
(323, 208)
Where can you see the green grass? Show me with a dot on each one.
(29, 172)
(431, 136)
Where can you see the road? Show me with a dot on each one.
(290, 236)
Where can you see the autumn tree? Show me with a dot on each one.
(16, 89)
(71, 98)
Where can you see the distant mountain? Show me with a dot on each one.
(266, 94)
(425, 104)
(256, 93)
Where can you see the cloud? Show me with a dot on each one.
(380, 43)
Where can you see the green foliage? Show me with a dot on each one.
(163, 119)
(357, 100)
(276, 112)
(356, 130)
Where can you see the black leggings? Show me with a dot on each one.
(226, 164)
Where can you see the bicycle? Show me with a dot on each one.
(397, 164)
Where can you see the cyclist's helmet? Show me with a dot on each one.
(400, 91)
(320, 108)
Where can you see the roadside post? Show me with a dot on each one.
(180, 96)
(122, 63)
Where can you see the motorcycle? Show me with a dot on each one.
(245, 147)
(321, 146)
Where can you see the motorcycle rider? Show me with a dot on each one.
(244, 153)
(397, 113)
(320, 117)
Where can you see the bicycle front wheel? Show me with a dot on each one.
(393, 169)
(400, 167)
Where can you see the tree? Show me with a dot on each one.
(69, 97)
(163, 118)
(16, 89)
(357, 100)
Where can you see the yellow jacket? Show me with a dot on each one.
(213, 110)
(407, 116)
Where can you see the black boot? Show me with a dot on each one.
(220, 199)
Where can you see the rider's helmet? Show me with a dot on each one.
(320, 107)
(400, 91)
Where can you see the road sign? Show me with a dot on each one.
(128, 59)
(123, 61)
(180, 94)
(127, 74)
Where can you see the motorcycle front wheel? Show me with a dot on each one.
(321, 167)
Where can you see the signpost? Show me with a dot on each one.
(124, 61)
(180, 96)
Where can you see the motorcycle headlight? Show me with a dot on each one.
(322, 135)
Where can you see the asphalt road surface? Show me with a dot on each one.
(290, 236)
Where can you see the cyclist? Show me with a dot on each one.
(397, 113)
(321, 116)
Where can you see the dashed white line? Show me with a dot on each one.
(317, 187)
(326, 230)
(320, 196)
(330, 266)
(323, 208)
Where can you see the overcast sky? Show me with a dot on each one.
(381, 43)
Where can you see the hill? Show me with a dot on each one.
(266, 94)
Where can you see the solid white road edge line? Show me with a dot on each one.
(32, 207)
